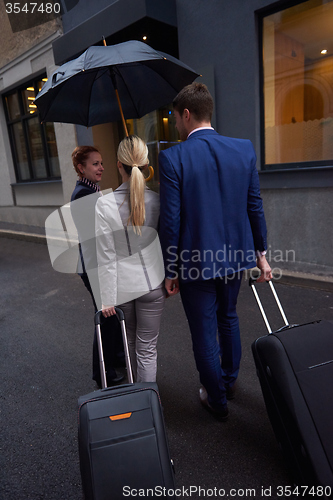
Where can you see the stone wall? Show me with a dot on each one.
(13, 44)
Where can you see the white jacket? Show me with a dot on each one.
(129, 265)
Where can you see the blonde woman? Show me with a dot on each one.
(131, 270)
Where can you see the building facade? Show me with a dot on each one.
(269, 67)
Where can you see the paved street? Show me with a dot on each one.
(46, 328)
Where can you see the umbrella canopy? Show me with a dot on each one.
(82, 91)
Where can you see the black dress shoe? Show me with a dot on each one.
(120, 363)
(220, 415)
(115, 379)
(231, 392)
(98, 384)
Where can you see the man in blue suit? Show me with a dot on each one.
(212, 228)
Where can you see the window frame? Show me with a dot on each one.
(271, 167)
(24, 119)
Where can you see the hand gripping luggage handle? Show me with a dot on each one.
(99, 319)
(252, 283)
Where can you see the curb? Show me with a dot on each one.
(20, 235)
(293, 278)
(306, 280)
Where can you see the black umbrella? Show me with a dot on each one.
(88, 90)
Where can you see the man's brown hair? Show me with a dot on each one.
(197, 99)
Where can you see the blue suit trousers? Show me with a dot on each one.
(210, 307)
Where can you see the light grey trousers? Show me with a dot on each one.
(143, 319)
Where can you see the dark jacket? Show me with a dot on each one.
(212, 219)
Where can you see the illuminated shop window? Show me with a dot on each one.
(34, 147)
(158, 130)
(298, 86)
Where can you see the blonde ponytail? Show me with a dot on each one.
(133, 153)
(137, 200)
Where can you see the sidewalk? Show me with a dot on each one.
(22, 232)
(35, 234)
(46, 333)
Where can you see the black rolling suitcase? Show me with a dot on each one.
(295, 370)
(122, 442)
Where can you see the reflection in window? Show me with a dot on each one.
(158, 130)
(33, 144)
(36, 149)
(21, 151)
(298, 83)
(52, 150)
(13, 106)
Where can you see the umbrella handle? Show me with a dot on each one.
(117, 96)
(121, 112)
(151, 174)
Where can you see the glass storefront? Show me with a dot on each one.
(158, 130)
(298, 85)
(34, 147)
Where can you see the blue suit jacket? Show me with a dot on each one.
(212, 218)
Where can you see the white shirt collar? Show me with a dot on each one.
(199, 128)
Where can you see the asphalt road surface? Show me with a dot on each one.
(46, 329)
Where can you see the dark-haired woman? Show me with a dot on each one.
(87, 162)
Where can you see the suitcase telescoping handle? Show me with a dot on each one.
(252, 282)
(99, 319)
